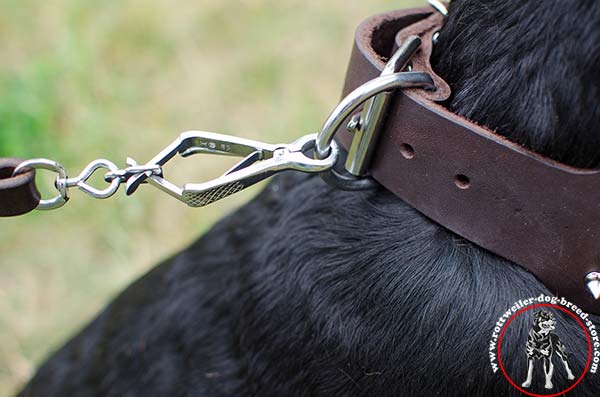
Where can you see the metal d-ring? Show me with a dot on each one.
(366, 126)
(359, 96)
(349, 173)
(439, 7)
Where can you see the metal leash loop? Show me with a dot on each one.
(80, 181)
(114, 177)
(50, 165)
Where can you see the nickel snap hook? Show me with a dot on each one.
(260, 161)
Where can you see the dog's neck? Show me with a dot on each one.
(535, 83)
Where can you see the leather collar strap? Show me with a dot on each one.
(540, 214)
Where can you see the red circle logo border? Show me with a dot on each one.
(589, 341)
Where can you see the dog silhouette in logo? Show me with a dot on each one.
(541, 345)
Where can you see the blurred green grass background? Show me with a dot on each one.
(81, 80)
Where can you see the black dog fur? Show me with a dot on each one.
(310, 291)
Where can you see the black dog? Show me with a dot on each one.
(542, 344)
(309, 290)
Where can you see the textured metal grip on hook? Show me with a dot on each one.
(203, 198)
(260, 161)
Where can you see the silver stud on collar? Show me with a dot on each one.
(593, 284)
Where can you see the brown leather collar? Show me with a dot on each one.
(542, 215)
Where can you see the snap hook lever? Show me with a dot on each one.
(260, 161)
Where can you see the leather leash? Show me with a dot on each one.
(529, 209)
(18, 194)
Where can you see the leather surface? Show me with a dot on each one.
(538, 213)
(18, 194)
